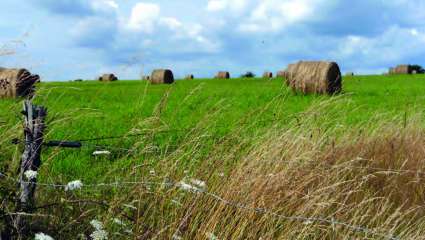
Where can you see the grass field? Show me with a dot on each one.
(250, 140)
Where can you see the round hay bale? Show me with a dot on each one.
(189, 77)
(402, 69)
(17, 83)
(223, 75)
(414, 72)
(109, 77)
(162, 76)
(268, 75)
(317, 77)
(281, 74)
(287, 72)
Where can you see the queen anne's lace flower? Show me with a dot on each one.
(99, 233)
(187, 187)
(31, 174)
(74, 185)
(96, 224)
(42, 236)
(200, 184)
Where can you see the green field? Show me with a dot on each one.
(201, 128)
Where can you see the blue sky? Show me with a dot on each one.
(69, 39)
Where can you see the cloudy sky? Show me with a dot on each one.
(69, 39)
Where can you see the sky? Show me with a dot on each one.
(70, 39)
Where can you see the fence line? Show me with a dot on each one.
(241, 206)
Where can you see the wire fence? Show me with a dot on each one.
(199, 190)
(195, 190)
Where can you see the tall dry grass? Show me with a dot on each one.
(312, 178)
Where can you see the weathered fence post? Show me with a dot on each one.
(33, 130)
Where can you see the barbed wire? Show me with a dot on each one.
(241, 206)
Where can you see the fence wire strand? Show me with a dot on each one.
(216, 197)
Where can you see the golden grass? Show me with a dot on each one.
(310, 179)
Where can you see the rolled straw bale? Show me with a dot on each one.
(162, 76)
(281, 74)
(109, 77)
(17, 83)
(287, 72)
(223, 75)
(189, 77)
(403, 69)
(318, 77)
(414, 72)
(268, 75)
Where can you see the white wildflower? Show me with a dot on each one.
(221, 175)
(42, 236)
(200, 184)
(97, 153)
(99, 233)
(30, 174)
(74, 185)
(152, 172)
(187, 187)
(98, 225)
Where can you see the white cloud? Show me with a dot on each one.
(232, 5)
(275, 15)
(143, 17)
(171, 23)
(394, 45)
(216, 5)
(147, 18)
(104, 6)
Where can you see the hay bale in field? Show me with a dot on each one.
(318, 77)
(162, 76)
(109, 77)
(189, 77)
(349, 74)
(281, 74)
(288, 71)
(268, 75)
(222, 75)
(17, 83)
(414, 72)
(401, 69)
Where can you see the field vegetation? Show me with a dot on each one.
(227, 159)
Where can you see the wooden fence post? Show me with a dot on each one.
(34, 126)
